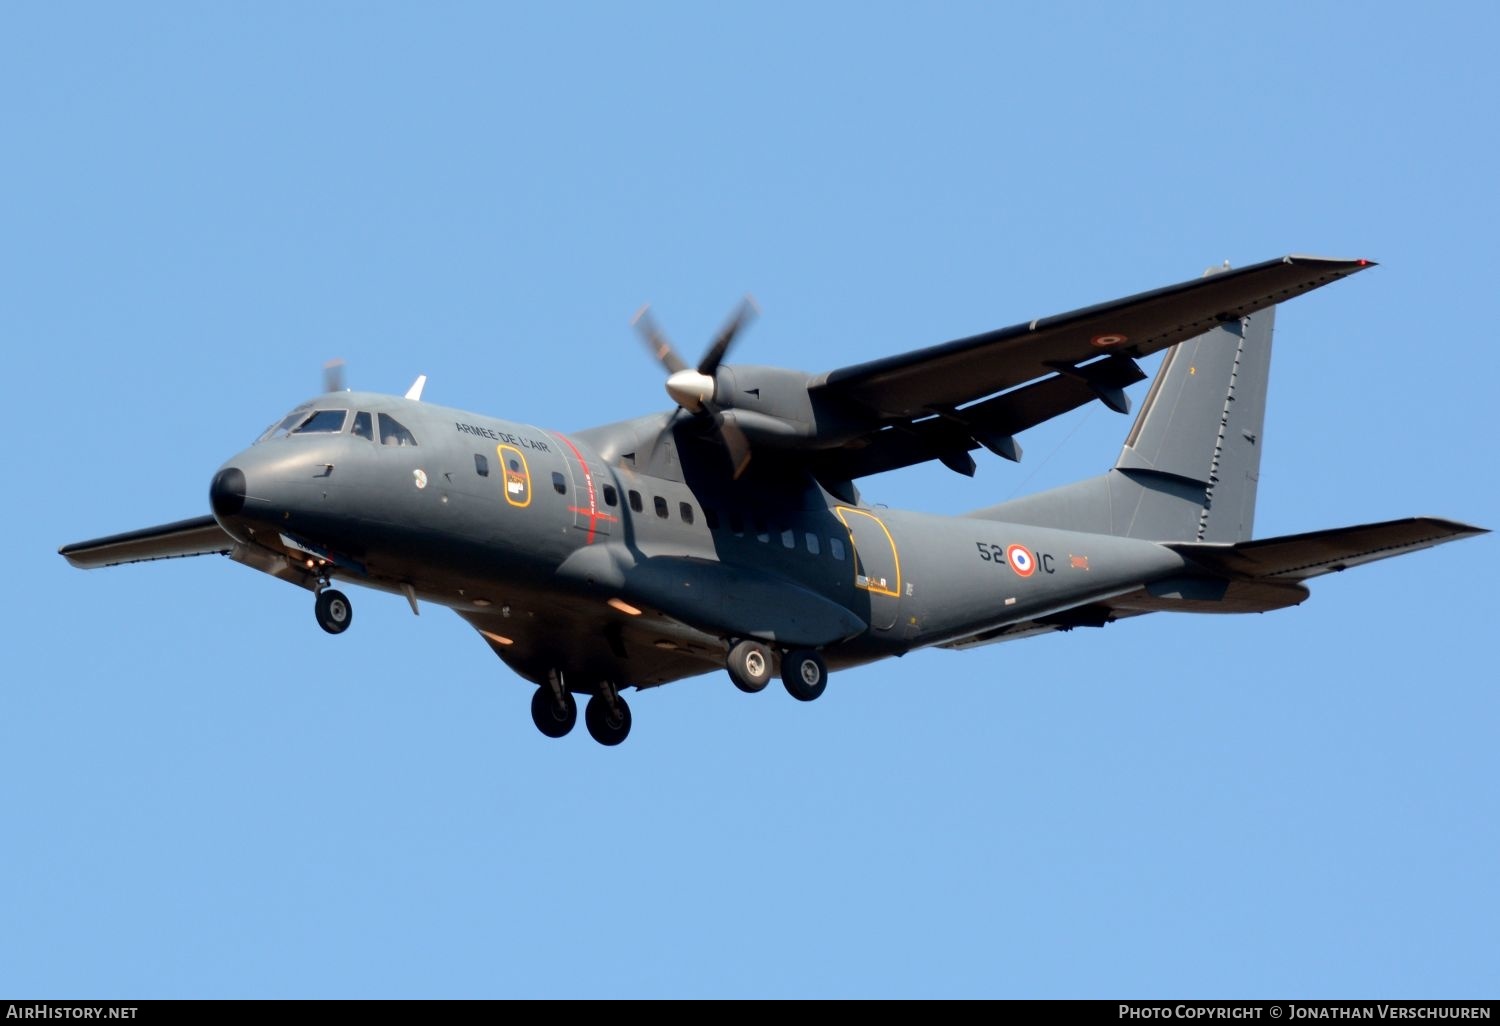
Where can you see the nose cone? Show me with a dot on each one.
(227, 492)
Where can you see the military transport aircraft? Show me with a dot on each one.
(728, 532)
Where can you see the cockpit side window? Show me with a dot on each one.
(392, 432)
(322, 422)
(362, 428)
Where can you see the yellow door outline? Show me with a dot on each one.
(873, 585)
(522, 498)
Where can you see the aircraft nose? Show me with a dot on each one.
(227, 492)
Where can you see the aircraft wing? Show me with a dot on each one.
(946, 400)
(199, 536)
(1297, 557)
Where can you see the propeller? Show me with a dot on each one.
(693, 389)
(333, 376)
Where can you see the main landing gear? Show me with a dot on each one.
(803, 671)
(554, 710)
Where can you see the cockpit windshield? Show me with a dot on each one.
(284, 427)
(305, 420)
(322, 422)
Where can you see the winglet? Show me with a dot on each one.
(415, 391)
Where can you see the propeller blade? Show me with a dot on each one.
(333, 376)
(735, 442)
(715, 355)
(656, 341)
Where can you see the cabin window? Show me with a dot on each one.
(363, 427)
(685, 510)
(481, 465)
(322, 422)
(711, 518)
(611, 497)
(559, 483)
(635, 500)
(393, 432)
(812, 543)
(789, 538)
(836, 547)
(661, 506)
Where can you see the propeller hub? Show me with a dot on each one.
(690, 389)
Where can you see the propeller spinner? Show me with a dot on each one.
(693, 389)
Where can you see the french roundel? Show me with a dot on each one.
(1021, 560)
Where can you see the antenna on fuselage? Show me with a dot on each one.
(414, 393)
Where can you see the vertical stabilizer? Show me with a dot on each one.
(1198, 437)
(1191, 463)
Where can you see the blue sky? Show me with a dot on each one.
(204, 795)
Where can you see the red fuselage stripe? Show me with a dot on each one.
(588, 480)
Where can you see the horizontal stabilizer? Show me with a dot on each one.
(1297, 557)
(200, 536)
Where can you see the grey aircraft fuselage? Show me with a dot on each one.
(509, 514)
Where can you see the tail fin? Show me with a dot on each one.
(1195, 447)
(1191, 463)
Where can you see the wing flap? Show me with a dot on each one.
(1297, 557)
(200, 536)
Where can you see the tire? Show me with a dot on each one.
(606, 726)
(805, 674)
(333, 611)
(749, 665)
(549, 719)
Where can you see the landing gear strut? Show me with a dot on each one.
(749, 666)
(607, 716)
(333, 611)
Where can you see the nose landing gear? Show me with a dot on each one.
(554, 715)
(333, 611)
(607, 716)
(554, 710)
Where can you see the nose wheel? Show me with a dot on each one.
(608, 719)
(333, 611)
(554, 715)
